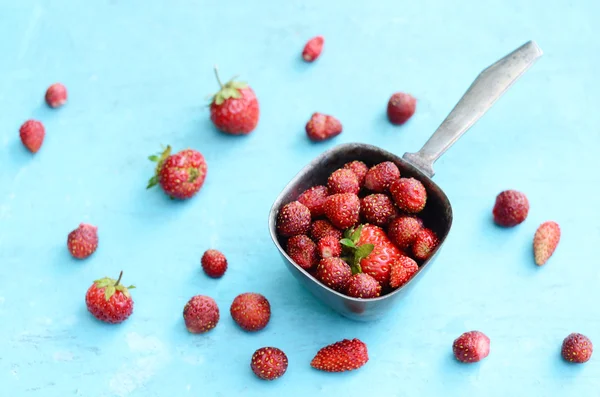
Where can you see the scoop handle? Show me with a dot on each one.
(491, 83)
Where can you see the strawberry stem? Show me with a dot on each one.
(119, 279)
(217, 76)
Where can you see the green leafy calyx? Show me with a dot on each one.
(159, 159)
(352, 252)
(231, 89)
(111, 286)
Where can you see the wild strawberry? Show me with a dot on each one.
(56, 95)
(313, 48)
(402, 270)
(314, 199)
(303, 251)
(83, 241)
(343, 181)
(471, 347)
(377, 209)
(545, 241)
(251, 311)
(32, 134)
(360, 169)
(181, 175)
(403, 231)
(234, 109)
(345, 355)
(329, 247)
(200, 314)
(293, 219)
(380, 176)
(214, 263)
(377, 262)
(109, 301)
(334, 273)
(511, 208)
(409, 194)
(322, 228)
(577, 348)
(343, 209)
(321, 127)
(424, 244)
(269, 363)
(364, 286)
(401, 107)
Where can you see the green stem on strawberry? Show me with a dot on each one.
(119, 279)
(217, 76)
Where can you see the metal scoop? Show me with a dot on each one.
(483, 93)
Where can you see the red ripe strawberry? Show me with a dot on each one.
(109, 301)
(471, 347)
(364, 286)
(32, 134)
(345, 355)
(334, 273)
(409, 194)
(293, 219)
(360, 169)
(577, 348)
(402, 270)
(321, 127)
(56, 95)
(424, 244)
(251, 311)
(329, 247)
(511, 208)
(403, 231)
(401, 107)
(314, 199)
(180, 175)
(313, 49)
(377, 263)
(214, 263)
(322, 228)
(303, 251)
(83, 241)
(201, 314)
(377, 209)
(380, 176)
(234, 109)
(269, 363)
(343, 209)
(343, 181)
(545, 241)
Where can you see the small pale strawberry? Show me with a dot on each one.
(200, 314)
(471, 347)
(313, 49)
(314, 199)
(83, 241)
(56, 95)
(303, 251)
(343, 181)
(545, 241)
(345, 355)
(32, 135)
(380, 176)
(293, 219)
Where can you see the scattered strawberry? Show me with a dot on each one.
(313, 49)
(471, 347)
(83, 241)
(360, 169)
(314, 199)
(424, 244)
(343, 209)
(269, 363)
(577, 348)
(214, 263)
(180, 175)
(321, 127)
(329, 246)
(293, 219)
(545, 241)
(56, 95)
(334, 273)
(401, 107)
(377, 209)
(303, 251)
(378, 262)
(403, 231)
(234, 109)
(511, 208)
(32, 134)
(251, 311)
(409, 194)
(345, 355)
(380, 176)
(402, 270)
(343, 181)
(109, 301)
(201, 314)
(364, 286)
(322, 228)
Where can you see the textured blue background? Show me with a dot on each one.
(138, 73)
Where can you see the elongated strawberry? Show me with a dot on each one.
(424, 244)
(545, 241)
(313, 48)
(32, 134)
(345, 355)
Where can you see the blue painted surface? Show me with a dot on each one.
(138, 73)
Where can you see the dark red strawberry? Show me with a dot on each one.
(322, 126)
(409, 194)
(32, 135)
(293, 219)
(251, 311)
(322, 228)
(403, 231)
(313, 49)
(424, 244)
(303, 251)
(314, 199)
(471, 347)
(360, 169)
(343, 181)
(201, 314)
(214, 263)
(343, 209)
(511, 208)
(269, 363)
(378, 262)
(329, 246)
(180, 175)
(577, 348)
(377, 209)
(109, 301)
(334, 273)
(56, 95)
(380, 176)
(234, 109)
(83, 241)
(401, 107)
(402, 270)
(364, 286)
(345, 355)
